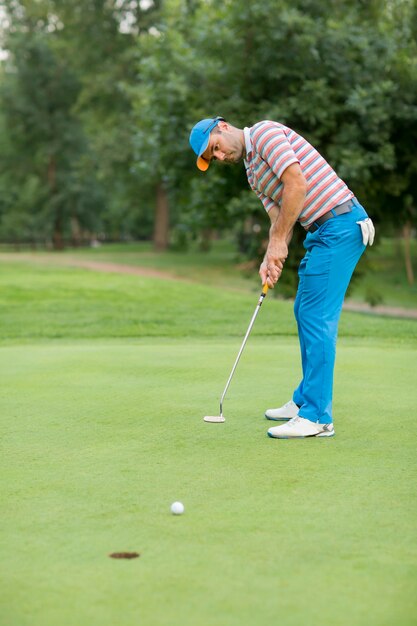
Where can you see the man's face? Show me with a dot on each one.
(225, 145)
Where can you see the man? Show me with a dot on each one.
(295, 183)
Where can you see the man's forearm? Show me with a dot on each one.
(293, 199)
(292, 203)
(287, 240)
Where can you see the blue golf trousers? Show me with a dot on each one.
(333, 251)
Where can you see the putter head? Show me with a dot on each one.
(214, 419)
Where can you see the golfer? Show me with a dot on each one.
(296, 184)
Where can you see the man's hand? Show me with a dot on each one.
(273, 263)
(263, 273)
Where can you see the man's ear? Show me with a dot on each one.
(222, 125)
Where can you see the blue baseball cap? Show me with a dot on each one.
(200, 137)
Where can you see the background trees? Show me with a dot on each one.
(97, 100)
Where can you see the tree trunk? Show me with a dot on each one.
(407, 253)
(57, 238)
(75, 232)
(161, 228)
(205, 241)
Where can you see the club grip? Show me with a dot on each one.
(265, 289)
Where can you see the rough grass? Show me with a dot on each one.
(105, 382)
(385, 276)
(380, 275)
(53, 303)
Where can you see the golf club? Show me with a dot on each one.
(217, 419)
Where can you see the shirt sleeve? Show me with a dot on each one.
(267, 202)
(274, 148)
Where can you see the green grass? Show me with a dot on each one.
(105, 381)
(222, 266)
(41, 302)
(385, 274)
(380, 276)
(99, 439)
(382, 267)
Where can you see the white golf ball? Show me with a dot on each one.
(177, 508)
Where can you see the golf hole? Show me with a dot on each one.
(124, 555)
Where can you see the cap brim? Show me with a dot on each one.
(202, 164)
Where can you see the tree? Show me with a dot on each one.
(160, 101)
(344, 78)
(343, 74)
(99, 38)
(45, 140)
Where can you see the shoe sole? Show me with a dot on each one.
(303, 436)
(278, 419)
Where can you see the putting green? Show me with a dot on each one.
(100, 437)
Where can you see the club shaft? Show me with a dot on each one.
(258, 306)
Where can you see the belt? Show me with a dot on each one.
(340, 209)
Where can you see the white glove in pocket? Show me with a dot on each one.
(368, 231)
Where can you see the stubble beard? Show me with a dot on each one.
(236, 156)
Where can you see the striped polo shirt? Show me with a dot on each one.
(271, 148)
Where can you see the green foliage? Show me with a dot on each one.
(130, 79)
(373, 296)
(337, 77)
(46, 163)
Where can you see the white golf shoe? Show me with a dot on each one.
(286, 412)
(299, 427)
